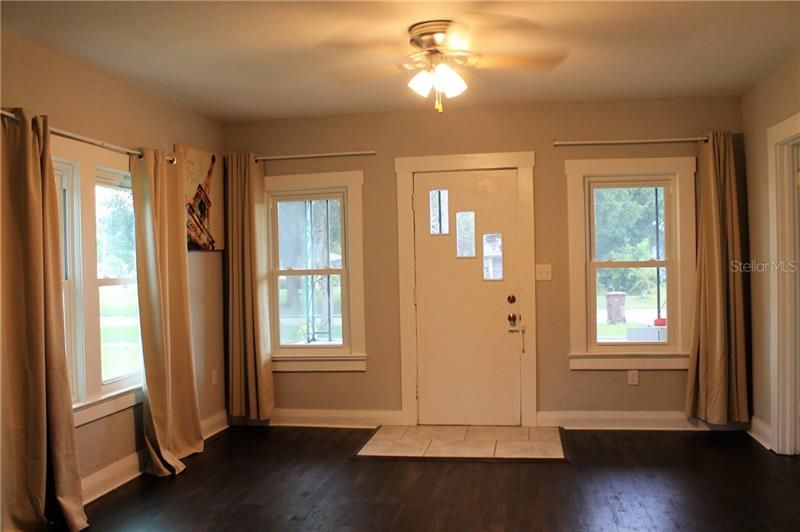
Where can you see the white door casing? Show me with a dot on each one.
(521, 164)
(783, 140)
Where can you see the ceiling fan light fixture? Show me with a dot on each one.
(447, 80)
(422, 83)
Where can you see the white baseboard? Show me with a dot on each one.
(112, 476)
(619, 420)
(128, 468)
(359, 419)
(761, 432)
(214, 424)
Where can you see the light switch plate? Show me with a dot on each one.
(633, 377)
(214, 380)
(544, 272)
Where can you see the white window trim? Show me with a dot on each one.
(353, 355)
(679, 172)
(107, 404)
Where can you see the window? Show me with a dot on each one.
(493, 257)
(310, 253)
(632, 249)
(69, 218)
(120, 338)
(465, 234)
(316, 280)
(101, 311)
(440, 214)
(627, 267)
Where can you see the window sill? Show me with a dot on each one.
(106, 405)
(604, 361)
(283, 363)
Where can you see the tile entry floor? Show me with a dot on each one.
(459, 441)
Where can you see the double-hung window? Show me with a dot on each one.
(69, 220)
(117, 295)
(312, 275)
(632, 260)
(316, 279)
(101, 310)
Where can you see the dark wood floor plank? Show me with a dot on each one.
(289, 479)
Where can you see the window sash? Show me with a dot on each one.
(591, 302)
(283, 198)
(276, 272)
(592, 265)
(592, 185)
(112, 179)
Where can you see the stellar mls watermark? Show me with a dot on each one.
(770, 266)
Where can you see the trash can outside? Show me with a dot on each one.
(615, 307)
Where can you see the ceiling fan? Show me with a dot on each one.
(443, 47)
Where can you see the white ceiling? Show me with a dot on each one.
(247, 61)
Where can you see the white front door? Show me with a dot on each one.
(470, 333)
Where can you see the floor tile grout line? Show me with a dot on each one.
(425, 452)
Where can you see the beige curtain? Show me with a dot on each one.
(40, 465)
(718, 381)
(171, 417)
(250, 387)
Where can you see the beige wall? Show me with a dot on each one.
(469, 130)
(84, 100)
(773, 99)
(80, 98)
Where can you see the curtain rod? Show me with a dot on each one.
(316, 155)
(560, 143)
(88, 140)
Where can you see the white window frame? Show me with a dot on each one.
(677, 175)
(72, 283)
(351, 355)
(78, 168)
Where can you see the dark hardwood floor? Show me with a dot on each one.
(305, 479)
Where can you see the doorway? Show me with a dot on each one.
(783, 149)
(467, 289)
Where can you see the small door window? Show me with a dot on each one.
(439, 215)
(492, 257)
(465, 234)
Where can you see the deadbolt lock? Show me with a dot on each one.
(512, 299)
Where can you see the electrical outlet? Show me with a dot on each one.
(544, 272)
(214, 380)
(633, 377)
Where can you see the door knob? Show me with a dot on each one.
(512, 319)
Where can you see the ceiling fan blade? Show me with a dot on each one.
(494, 32)
(494, 28)
(543, 61)
(361, 75)
(347, 42)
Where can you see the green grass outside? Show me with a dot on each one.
(635, 302)
(295, 333)
(119, 333)
(616, 330)
(283, 297)
(119, 301)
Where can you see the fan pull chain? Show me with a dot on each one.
(438, 105)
